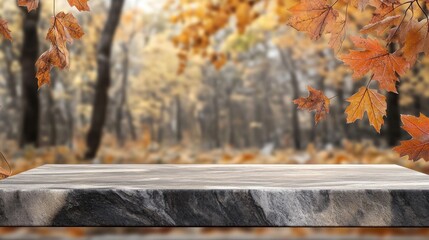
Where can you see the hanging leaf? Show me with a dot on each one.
(312, 16)
(417, 147)
(369, 101)
(30, 4)
(81, 5)
(375, 58)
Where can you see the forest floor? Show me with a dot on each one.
(144, 152)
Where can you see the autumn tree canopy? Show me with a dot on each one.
(387, 46)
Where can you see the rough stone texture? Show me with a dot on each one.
(216, 195)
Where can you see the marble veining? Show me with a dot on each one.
(215, 195)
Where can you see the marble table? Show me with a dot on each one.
(215, 195)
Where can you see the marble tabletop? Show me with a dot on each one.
(215, 195)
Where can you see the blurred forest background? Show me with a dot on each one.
(216, 111)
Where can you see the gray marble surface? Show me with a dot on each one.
(215, 195)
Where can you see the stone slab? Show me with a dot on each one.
(215, 195)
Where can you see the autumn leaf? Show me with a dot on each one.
(381, 26)
(359, 4)
(316, 101)
(44, 66)
(417, 147)
(4, 30)
(312, 16)
(369, 101)
(338, 33)
(64, 28)
(81, 5)
(375, 58)
(416, 40)
(243, 15)
(3, 172)
(30, 4)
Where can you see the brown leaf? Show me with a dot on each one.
(375, 58)
(4, 30)
(369, 101)
(417, 147)
(381, 26)
(312, 16)
(30, 4)
(416, 40)
(3, 172)
(316, 101)
(44, 66)
(81, 5)
(64, 28)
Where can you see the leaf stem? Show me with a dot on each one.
(53, 9)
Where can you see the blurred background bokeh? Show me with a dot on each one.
(234, 109)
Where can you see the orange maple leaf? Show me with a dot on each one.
(417, 147)
(369, 101)
(81, 5)
(4, 30)
(30, 4)
(312, 16)
(416, 40)
(316, 101)
(375, 58)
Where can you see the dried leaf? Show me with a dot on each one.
(375, 58)
(417, 147)
(4, 30)
(369, 101)
(316, 101)
(81, 5)
(3, 172)
(30, 4)
(312, 16)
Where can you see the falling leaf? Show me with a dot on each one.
(81, 5)
(417, 147)
(375, 58)
(4, 30)
(312, 16)
(369, 101)
(316, 101)
(30, 4)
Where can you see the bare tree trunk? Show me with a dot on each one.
(341, 116)
(178, 103)
(231, 135)
(130, 121)
(123, 97)
(393, 119)
(215, 133)
(103, 79)
(12, 103)
(287, 61)
(30, 101)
